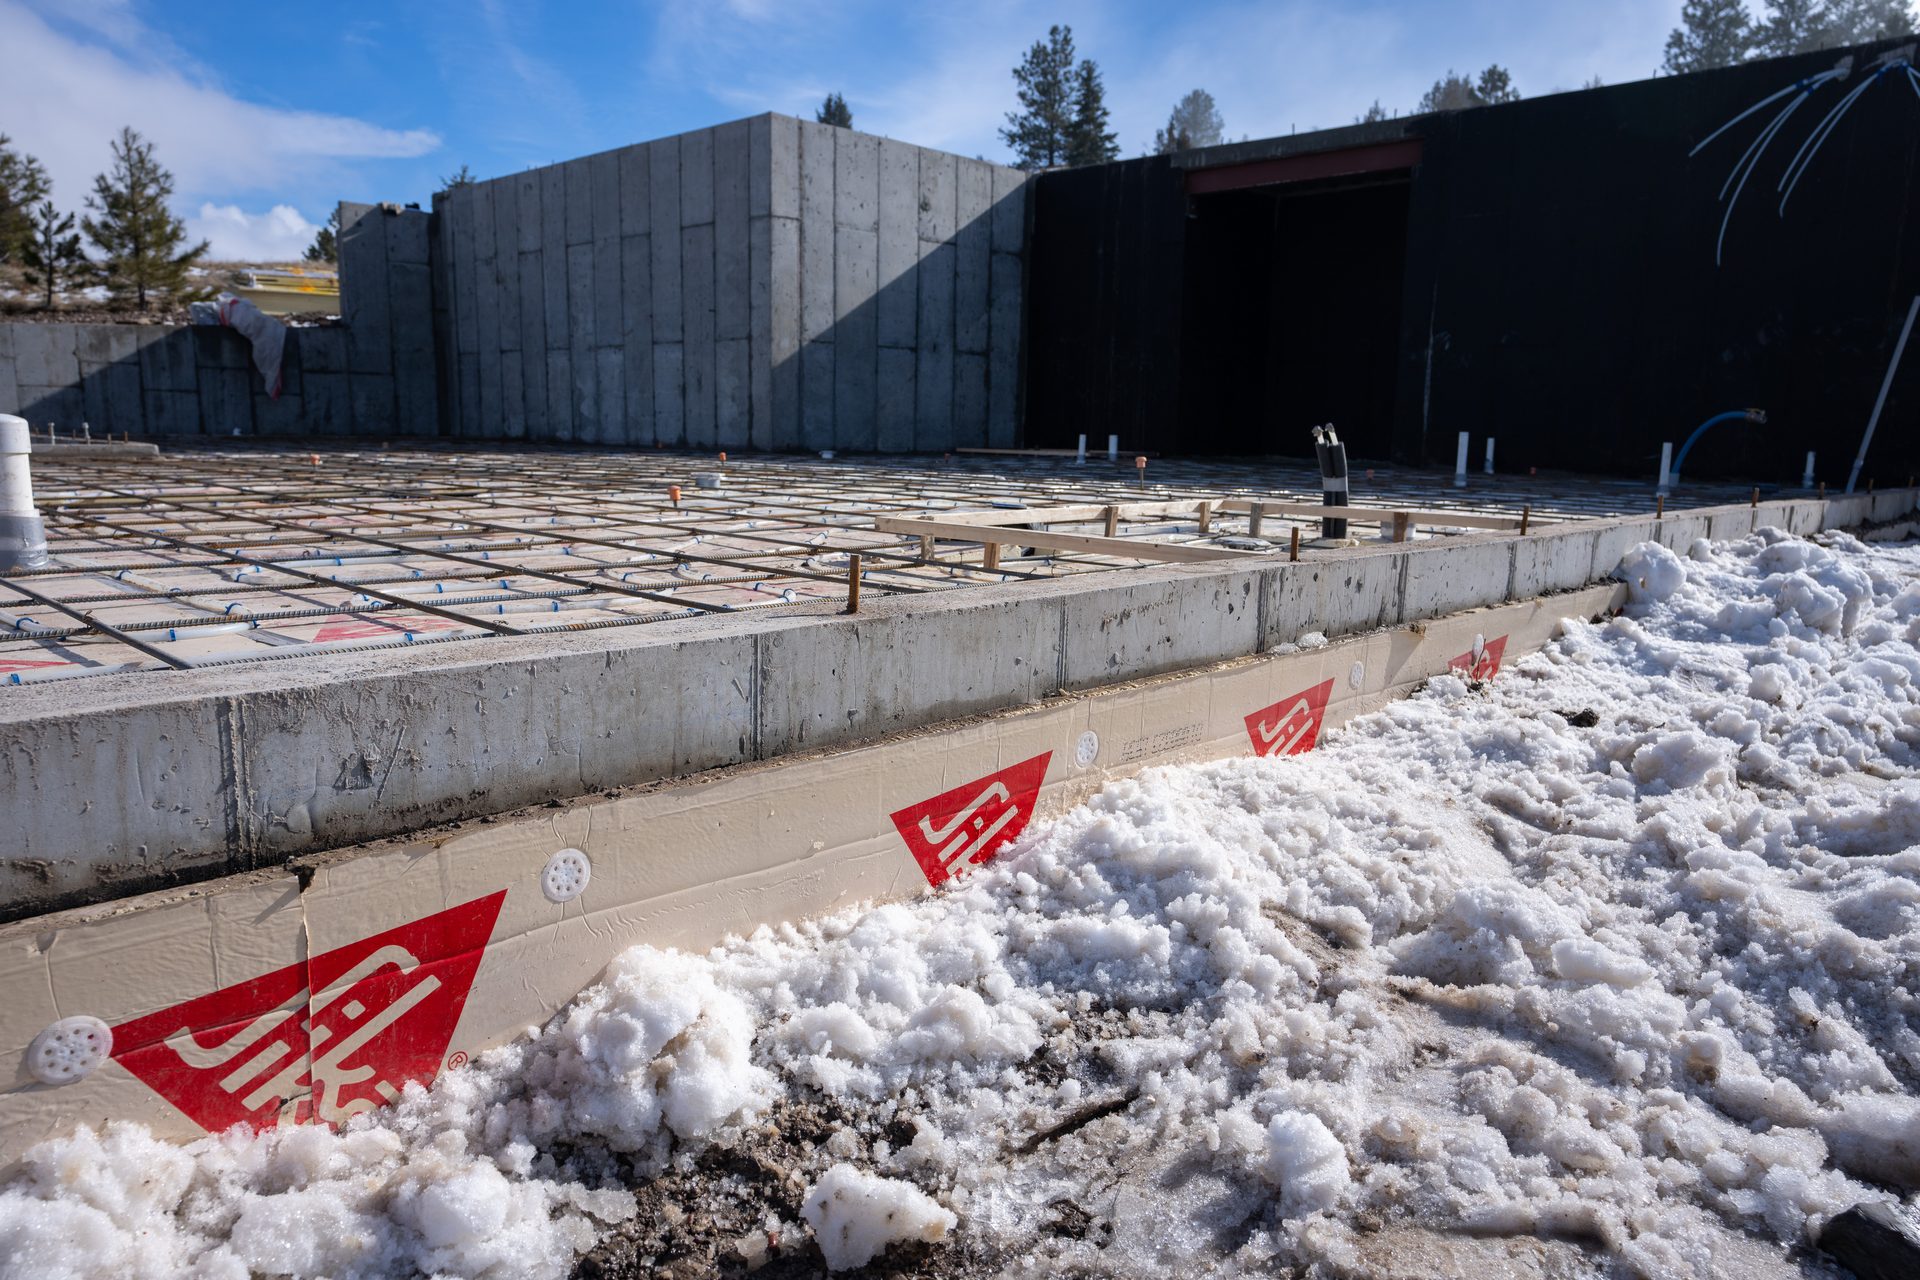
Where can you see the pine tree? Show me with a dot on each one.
(1042, 130)
(23, 183)
(1373, 114)
(1793, 26)
(139, 238)
(1712, 33)
(834, 111)
(463, 177)
(1091, 142)
(1858, 21)
(325, 246)
(1495, 87)
(52, 254)
(1194, 122)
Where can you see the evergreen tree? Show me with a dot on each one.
(834, 112)
(1858, 21)
(1793, 26)
(325, 246)
(140, 240)
(1194, 122)
(1092, 142)
(23, 184)
(1495, 87)
(461, 178)
(52, 254)
(1455, 92)
(1041, 132)
(1373, 114)
(1712, 33)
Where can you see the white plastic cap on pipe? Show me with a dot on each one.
(23, 538)
(1460, 464)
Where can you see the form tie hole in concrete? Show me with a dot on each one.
(1087, 749)
(69, 1050)
(566, 875)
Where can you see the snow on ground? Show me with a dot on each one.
(1605, 968)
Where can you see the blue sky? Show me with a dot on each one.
(269, 113)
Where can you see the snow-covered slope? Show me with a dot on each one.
(1606, 966)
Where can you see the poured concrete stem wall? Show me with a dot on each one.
(372, 375)
(764, 284)
(234, 768)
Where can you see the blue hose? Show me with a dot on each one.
(1749, 415)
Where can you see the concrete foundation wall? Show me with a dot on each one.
(769, 283)
(235, 768)
(373, 375)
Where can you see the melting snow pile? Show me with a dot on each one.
(1483, 962)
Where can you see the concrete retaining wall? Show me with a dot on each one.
(239, 767)
(372, 376)
(765, 284)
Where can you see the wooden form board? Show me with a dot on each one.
(1082, 512)
(1125, 548)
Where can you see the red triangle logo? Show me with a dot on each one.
(972, 822)
(1291, 725)
(356, 627)
(1482, 662)
(322, 1039)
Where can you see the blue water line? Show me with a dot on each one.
(1750, 415)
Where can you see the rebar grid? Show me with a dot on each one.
(201, 558)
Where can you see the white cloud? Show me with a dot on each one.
(75, 76)
(278, 235)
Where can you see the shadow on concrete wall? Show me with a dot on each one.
(764, 284)
(372, 375)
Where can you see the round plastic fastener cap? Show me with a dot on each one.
(1357, 676)
(69, 1050)
(566, 875)
(1085, 751)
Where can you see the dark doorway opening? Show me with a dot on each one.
(1292, 306)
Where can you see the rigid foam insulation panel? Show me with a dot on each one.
(316, 992)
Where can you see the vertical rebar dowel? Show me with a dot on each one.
(1293, 544)
(1659, 505)
(1526, 515)
(853, 583)
(1823, 489)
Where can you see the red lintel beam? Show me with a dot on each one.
(1378, 158)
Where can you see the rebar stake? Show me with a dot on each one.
(853, 583)
(1293, 545)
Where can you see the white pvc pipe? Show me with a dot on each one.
(1489, 455)
(1080, 455)
(1113, 448)
(1666, 466)
(1460, 464)
(1806, 481)
(1898, 349)
(16, 480)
